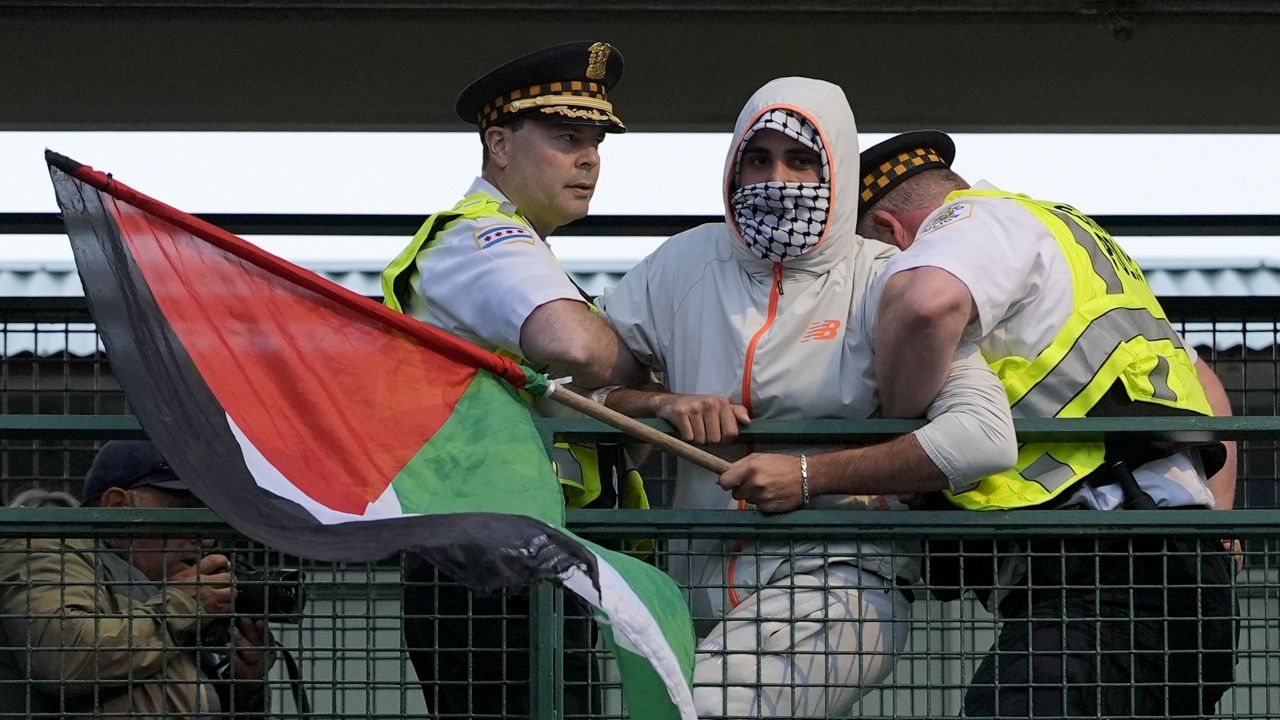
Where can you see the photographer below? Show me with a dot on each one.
(121, 625)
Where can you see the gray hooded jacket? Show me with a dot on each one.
(790, 340)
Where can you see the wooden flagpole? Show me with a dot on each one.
(638, 430)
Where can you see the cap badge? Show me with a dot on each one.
(599, 57)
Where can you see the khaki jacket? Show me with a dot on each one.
(83, 632)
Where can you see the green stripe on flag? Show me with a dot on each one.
(487, 457)
(644, 618)
(645, 622)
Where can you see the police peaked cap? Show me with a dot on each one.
(885, 165)
(568, 83)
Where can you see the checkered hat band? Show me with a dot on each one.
(795, 126)
(496, 108)
(882, 178)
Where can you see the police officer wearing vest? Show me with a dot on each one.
(483, 271)
(1109, 628)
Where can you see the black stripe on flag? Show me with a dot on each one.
(180, 414)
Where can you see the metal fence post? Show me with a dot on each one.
(546, 652)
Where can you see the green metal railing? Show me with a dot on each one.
(60, 404)
(354, 665)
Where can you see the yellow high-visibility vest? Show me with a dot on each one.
(1116, 333)
(577, 465)
(399, 277)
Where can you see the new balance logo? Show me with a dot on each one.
(822, 330)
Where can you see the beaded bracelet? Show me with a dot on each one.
(804, 480)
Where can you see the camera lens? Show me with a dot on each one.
(276, 595)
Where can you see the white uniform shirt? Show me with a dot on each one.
(1022, 287)
(480, 279)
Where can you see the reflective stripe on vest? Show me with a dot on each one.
(1116, 333)
(1069, 377)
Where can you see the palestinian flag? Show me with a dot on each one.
(325, 425)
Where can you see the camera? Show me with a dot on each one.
(274, 594)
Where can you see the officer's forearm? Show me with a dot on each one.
(897, 467)
(969, 436)
(571, 340)
(642, 401)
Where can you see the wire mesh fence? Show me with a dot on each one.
(838, 614)
(98, 619)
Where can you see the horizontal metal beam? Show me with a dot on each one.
(803, 524)
(854, 432)
(844, 7)
(16, 309)
(1180, 309)
(71, 427)
(100, 522)
(834, 524)
(1221, 309)
(821, 432)
(625, 225)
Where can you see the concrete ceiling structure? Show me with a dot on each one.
(987, 65)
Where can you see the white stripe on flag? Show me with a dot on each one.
(274, 482)
(634, 627)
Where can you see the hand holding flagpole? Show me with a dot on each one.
(638, 430)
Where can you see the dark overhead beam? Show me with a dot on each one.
(1143, 7)
(397, 65)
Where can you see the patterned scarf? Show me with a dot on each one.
(783, 219)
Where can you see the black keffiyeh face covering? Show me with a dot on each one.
(783, 219)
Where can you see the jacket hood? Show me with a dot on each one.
(825, 106)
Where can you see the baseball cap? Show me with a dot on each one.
(129, 464)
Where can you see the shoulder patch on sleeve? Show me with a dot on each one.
(489, 236)
(951, 215)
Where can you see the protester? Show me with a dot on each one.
(768, 313)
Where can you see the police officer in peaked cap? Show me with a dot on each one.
(1068, 322)
(483, 270)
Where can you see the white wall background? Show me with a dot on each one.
(644, 173)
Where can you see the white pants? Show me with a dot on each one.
(808, 646)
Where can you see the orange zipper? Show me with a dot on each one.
(775, 294)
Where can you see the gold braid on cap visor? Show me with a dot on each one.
(574, 98)
(586, 108)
